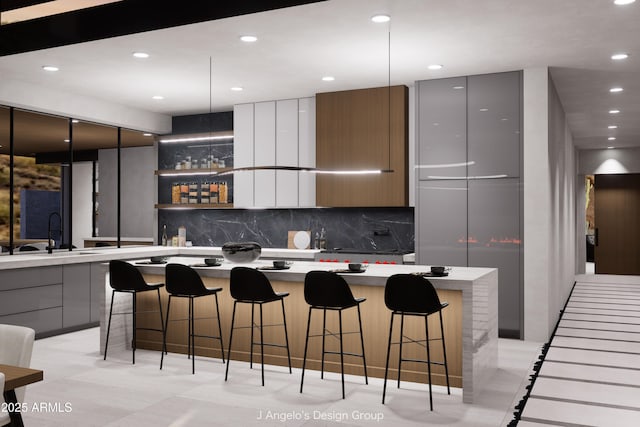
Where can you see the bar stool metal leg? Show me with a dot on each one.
(444, 353)
(233, 319)
(400, 353)
(341, 352)
(364, 360)
(164, 335)
(106, 343)
(286, 335)
(324, 331)
(133, 342)
(306, 346)
(386, 366)
(261, 346)
(219, 326)
(193, 336)
(251, 348)
(426, 325)
(161, 319)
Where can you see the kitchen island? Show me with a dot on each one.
(78, 296)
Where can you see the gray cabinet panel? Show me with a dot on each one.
(494, 124)
(40, 320)
(441, 116)
(441, 223)
(29, 277)
(30, 299)
(494, 228)
(77, 295)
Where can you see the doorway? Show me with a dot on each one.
(616, 224)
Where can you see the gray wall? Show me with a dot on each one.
(137, 192)
(549, 205)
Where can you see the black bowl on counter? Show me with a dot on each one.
(213, 262)
(241, 252)
(437, 270)
(158, 259)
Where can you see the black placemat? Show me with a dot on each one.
(268, 267)
(430, 274)
(205, 265)
(349, 271)
(151, 262)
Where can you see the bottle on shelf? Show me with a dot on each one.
(222, 192)
(164, 235)
(184, 193)
(204, 193)
(213, 192)
(175, 193)
(193, 193)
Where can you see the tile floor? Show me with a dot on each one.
(80, 389)
(591, 373)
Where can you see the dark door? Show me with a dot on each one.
(617, 222)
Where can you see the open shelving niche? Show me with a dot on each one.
(170, 154)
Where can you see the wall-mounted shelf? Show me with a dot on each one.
(195, 206)
(190, 172)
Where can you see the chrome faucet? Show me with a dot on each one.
(50, 246)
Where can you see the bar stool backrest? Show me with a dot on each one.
(249, 284)
(183, 280)
(327, 289)
(411, 293)
(125, 277)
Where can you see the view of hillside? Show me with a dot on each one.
(29, 176)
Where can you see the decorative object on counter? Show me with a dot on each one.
(241, 252)
(437, 270)
(182, 236)
(298, 239)
(316, 241)
(323, 239)
(163, 241)
(213, 262)
(357, 267)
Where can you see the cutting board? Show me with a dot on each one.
(299, 240)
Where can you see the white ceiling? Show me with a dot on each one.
(299, 45)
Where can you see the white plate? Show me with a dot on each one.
(302, 239)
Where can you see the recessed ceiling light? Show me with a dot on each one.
(66, 140)
(237, 88)
(611, 138)
(434, 67)
(141, 55)
(328, 78)
(75, 121)
(484, 109)
(619, 56)
(614, 111)
(615, 89)
(610, 147)
(248, 39)
(157, 97)
(50, 68)
(458, 87)
(613, 126)
(379, 19)
(623, 2)
(146, 134)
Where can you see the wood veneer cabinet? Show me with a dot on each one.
(352, 132)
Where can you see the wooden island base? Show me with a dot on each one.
(375, 324)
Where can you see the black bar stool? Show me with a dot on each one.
(124, 277)
(326, 290)
(413, 295)
(250, 286)
(184, 282)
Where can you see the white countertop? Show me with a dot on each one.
(78, 256)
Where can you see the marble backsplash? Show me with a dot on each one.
(383, 229)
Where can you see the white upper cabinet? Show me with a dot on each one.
(275, 133)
